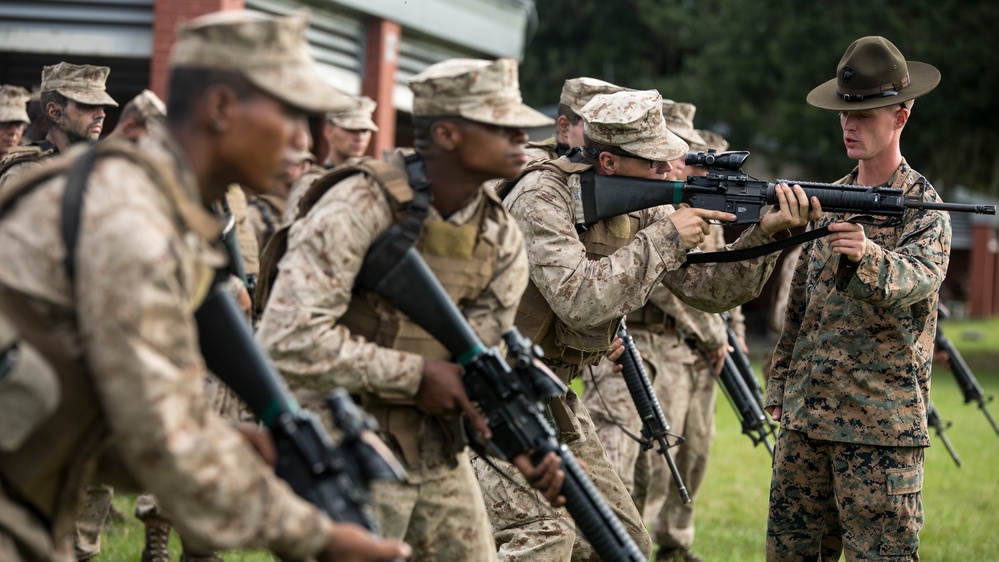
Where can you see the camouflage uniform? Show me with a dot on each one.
(130, 358)
(298, 189)
(321, 335)
(83, 84)
(356, 118)
(851, 370)
(549, 149)
(264, 214)
(581, 288)
(80, 83)
(13, 109)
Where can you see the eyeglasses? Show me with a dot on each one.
(594, 153)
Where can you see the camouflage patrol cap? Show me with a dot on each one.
(478, 90)
(270, 52)
(82, 83)
(576, 92)
(632, 120)
(14, 104)
(357, 117)
(680, 119)
(150, 106)
(713, 140)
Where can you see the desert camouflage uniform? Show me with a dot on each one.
(548, 148)
(686, 392)
(852, 374)
(298, 189)
(300, 326)
(264, 215)
(141, 350)
(585, 292)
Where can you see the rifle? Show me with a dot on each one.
(335, 479)
(727, 188)
(966, 381)
(933, 420)
(739, 382)
(513, 399)
(654, 424)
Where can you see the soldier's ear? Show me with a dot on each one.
(445, 134)
(562, 125)
(53, 110)
(608, 163)
(219, 104)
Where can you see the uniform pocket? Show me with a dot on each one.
(904, 513)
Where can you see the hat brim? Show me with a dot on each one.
(355, 123)
(299, 87)
(508, 115)
(9, 114)
(922, 79)
(691, 137)
(665, 148)
(88, 97)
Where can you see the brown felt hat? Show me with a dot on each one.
(873, 73)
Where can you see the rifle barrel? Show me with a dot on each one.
(956, 207)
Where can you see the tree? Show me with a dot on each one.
(749, 65)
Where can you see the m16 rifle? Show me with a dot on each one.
(513, 399)
(933, 420)
(335, 479)
(738, 380)
(727, 188)
(655, 428)
(966, 381)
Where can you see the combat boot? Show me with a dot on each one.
(157, 542)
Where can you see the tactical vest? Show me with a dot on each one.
(535, 317)
(50, 468)
(463, 258)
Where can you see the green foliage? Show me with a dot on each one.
(749, 65)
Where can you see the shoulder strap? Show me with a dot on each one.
(408, 191)
(564, 166)
(72, 206)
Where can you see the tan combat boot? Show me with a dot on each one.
(157, 541)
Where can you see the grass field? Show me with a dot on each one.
(961, 504)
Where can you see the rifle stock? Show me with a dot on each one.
(513, 400)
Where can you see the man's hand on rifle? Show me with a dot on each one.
(353, 543)
(692, 224)
(443, 394)
(547, 477)
(715, 358)
(792, 210)
(848, 239)
(614, 353)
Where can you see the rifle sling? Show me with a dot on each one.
(389, 248)
(755, 251)
(72, 204)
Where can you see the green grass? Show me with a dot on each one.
(960, 503)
